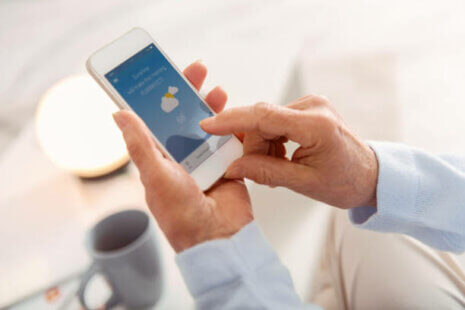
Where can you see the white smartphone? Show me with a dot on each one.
(138, 76)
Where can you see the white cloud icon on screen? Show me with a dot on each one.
(168, 101)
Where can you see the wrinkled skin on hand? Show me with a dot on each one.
(332, 164)
(186, 215)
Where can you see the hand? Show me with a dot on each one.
(186, 215)
(332, 164)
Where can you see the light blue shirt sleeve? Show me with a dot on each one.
(418, 194)
(242, 272)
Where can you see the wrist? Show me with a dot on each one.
(185, 241)
(201, 231)
(372, 178)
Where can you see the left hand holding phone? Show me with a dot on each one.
(186, 215)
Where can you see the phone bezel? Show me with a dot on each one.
(121, 49)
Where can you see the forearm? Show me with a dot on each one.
(242, 272)
(418, 194)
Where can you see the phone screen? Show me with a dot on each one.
(153, 88)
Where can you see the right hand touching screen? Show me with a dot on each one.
(332, 164)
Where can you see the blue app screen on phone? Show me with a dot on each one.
(153, 88)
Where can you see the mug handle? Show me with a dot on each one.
(93, 269)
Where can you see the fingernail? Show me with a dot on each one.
(207, 122)
(119, 120)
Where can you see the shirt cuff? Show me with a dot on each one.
(217, 262)
(396, 190)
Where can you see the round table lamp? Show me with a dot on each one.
(76, 130)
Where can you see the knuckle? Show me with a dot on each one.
(263, 112)
(265, 176)
(263, 108)
(317, 100)
(303, 103)
(308, 102)
(324, 122)
(135, 151)
(308, 98)
(151, 181)
(324, 99)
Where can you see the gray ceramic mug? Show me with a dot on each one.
(124, 250)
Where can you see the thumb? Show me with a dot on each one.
(271, 171)
(148, 160)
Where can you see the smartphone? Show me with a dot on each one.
(138, 76)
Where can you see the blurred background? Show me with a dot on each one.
(393, 69)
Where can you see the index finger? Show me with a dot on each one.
(269, 120)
